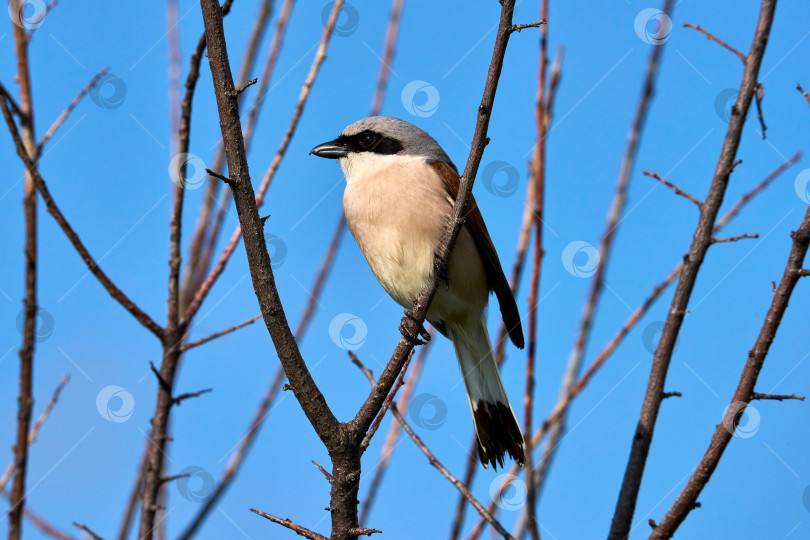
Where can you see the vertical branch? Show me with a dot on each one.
(340, 226)
(539, 178)
(745, 388)
(25, 399)
(702, 239)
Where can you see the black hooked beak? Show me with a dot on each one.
(330, 150)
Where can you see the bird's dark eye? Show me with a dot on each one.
(367, 139)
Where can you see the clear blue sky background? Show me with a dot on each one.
(107, 168)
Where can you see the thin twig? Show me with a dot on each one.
(745, 388)
(238, 457)
(299, 530)
(182, 397)
(519, 27)
(777, 397)
(386, 404)
(325, 473)
(802, 92)
(87, 529)
(733, 238)
(719, 41)
(673, 187)
(32, 435)
(28, 146)
(62, 117)
(391, 33)
(759, 95)
(625, 507)
(221, 333)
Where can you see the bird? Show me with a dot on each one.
(400, 190)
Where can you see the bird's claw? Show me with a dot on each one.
(420, 329)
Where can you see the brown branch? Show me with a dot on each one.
(86, 529)
(803, 272)
(194, 271)
(73, 104)
(719, 41)
(394, 429)
(245, 86)
(325, 473)
(391, 33)
(524, 234)
(238, 457)
(519, 27)
(32, 435)
(759, 95)
(299, 530)
(221, 333)
(733, 238)
(10, 99)
(219, 176)
(136, 492)
(777, 397)
(625, 507)
(197, 274)
(188, 395)
(27, 146)
(386, 404)
(363, 531)
(673, 187)
(745, 388)
(303, 96)
(802, 92)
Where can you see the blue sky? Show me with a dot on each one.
(107, 169)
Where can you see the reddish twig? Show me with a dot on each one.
(719, 41)
(87, 529)
(329, 477)
(221, 333)
(386, 404)
(32, 435)
(519, 27)
(73, 104)
(28, 146)
(299, 530)
(673, 187)
(236, 460)
(777, 397)
(802, 92)
(745, 388)
(625, 507)
(733, 238)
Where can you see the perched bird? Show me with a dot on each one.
(400, 191)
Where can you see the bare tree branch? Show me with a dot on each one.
(701, 241)
(87, 529)
(744, 392)
(673, 187)
(62, 117)
(719, 41)
(221, 333)
(299, 530)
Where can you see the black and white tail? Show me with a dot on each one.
(496, 427)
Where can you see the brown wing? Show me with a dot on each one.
(496, 280)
